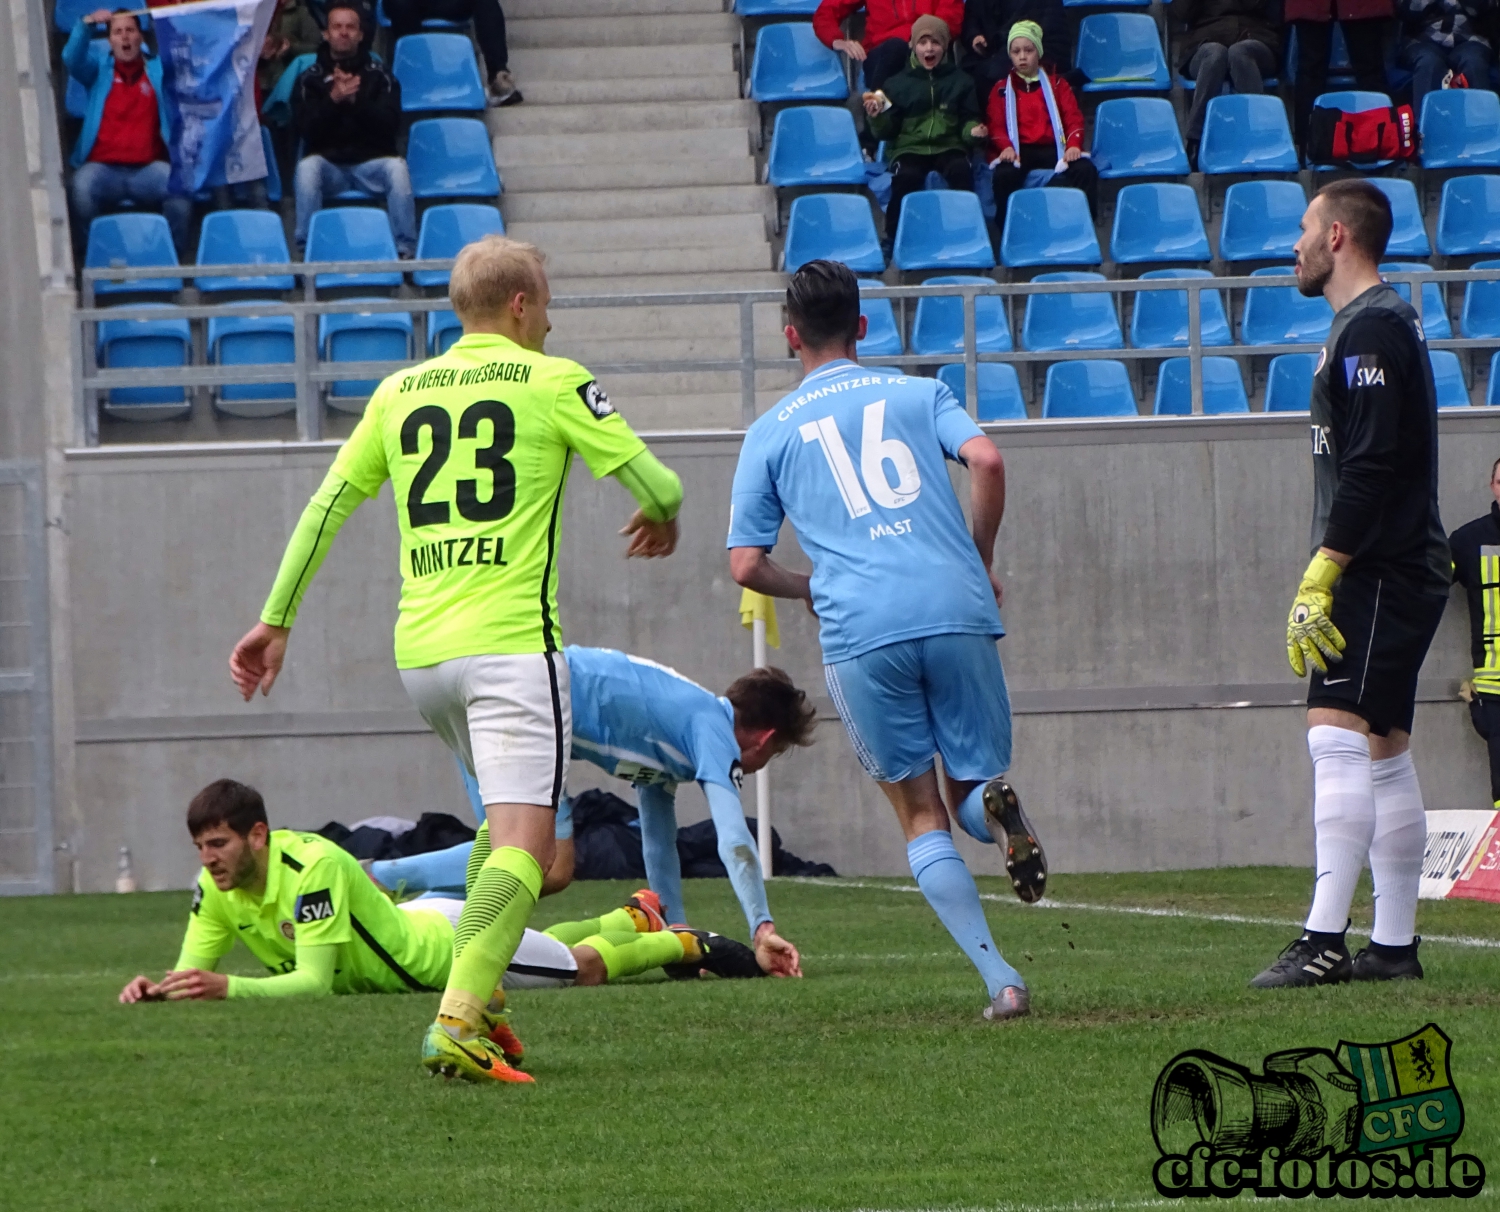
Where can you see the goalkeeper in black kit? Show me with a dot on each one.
(1370, 601)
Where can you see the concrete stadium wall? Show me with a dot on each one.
(1148, 566)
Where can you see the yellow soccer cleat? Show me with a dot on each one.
(474, 1060)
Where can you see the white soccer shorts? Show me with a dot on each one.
(508, 718)
(540, 962)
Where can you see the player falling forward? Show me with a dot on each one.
(303, 907)
(907, 603)
(649, 725)
(477, 444)
(1372, 597)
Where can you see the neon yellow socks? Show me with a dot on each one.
(616, 921)
(477, 856)
(631, 954)
(503, 894)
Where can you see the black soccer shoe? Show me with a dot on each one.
(1303, 964)
(1025, 862)
(719, 956)
(1370, 965)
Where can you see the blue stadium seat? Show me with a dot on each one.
(792, 65)
(775, 8)
(1121, 52)
(1088, 389)
(1409, 231)
(438, 72)
(1047, 227)
(1261, 220)
(815, 145)
(1138, 137)
(361, 337)
(1155, 222)
(352, 233)
(127, 241)
(1160, 317)
(145, 344)
(1223, 388)
(999, 389)
(1492, 394)
(1469, 218)
(1460, 128)
(882, 333)
(939, 324)
(1073, 321)
(1434, 305)
(1448, 378)
(944, 229)
(250, 341)
(273, 170)
(1282, 315)
(1480, 318)
(1247, 133)
(429, 23)
(451, 158)
(443, 328)
(1289, 382)
(446, 229)
(833, 227)
(243, 237)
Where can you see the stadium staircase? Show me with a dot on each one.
(631, 164)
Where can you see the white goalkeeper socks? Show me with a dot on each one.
(1344, 820)
(1396, 851)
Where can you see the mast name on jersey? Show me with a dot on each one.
(458, 553)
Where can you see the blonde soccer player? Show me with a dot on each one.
(477, 445)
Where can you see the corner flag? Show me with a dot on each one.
(756, 606)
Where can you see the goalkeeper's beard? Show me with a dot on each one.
(1312, 276)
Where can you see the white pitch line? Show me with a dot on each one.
(1238, 919)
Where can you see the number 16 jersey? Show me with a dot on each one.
(476, 444)
(855, 459)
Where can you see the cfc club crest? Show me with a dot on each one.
(1362, 1120)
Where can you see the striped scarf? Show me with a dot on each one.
(1012, 129)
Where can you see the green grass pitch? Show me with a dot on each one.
(871, 1084)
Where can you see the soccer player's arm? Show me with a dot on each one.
(323, 924)
(588, 423)
(208, 938)
(964, 442)
(357, 474)
(755, 516)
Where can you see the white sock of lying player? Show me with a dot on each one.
(1397, 848)
(1344, 820)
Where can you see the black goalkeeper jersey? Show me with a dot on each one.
(1374, 441)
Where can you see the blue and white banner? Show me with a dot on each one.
(209, 50)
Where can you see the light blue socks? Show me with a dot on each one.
(436, 871)
(971, 816)
(945, 881)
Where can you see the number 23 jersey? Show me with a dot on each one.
(856, 459)
(476, 444)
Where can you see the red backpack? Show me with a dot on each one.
(1386, 133)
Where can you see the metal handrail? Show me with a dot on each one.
(307, 370)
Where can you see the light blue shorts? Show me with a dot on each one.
(905, 702)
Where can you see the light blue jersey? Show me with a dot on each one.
(647, 724)
(855, 458)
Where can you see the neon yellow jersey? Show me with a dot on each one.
(476, 444)
(316, 893)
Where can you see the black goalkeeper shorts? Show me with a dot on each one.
(1387, 628)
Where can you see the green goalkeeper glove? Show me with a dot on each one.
(1310, 633)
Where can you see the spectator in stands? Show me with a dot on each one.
(346, 109)
(1364, 22)
(294, 32)
(489, 29)
(1442, 37)
(888, 24)
(1036, 128)
(121, 153)
(986, 22)
(930, 114)
(1226, 40)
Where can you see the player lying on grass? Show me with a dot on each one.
(651, 726)
(304, 908)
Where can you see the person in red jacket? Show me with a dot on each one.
(1365, 23)
(1036, 128)
(886, 45)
